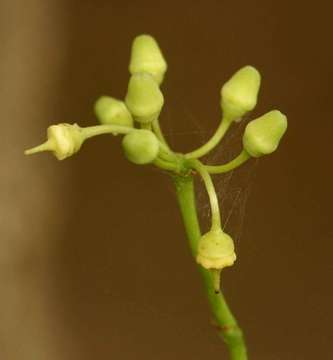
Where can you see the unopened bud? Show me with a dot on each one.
(216, 251)
(110, 111)
(141, 146)
(146, 56)
(63, 140)
(144, 99)
(262, 135)
(239, 94)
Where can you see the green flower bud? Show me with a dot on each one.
(262, 135)
(147, 57)
(239, 94)
(144, 99)
(63, 140)
(216, 251)
(113, 112)
(141, 146)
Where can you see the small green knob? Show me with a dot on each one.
(239, 94)
(141, 146)
(146, 56)
(144, 98)
(110, 111)
(262, 135)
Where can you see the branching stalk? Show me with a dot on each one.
(143, 103)
(157, 130)
(212, 142)
(92, 131)
(214, 202)
(233, 164)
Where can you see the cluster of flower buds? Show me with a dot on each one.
(147, 66)
(238, 97)
(137, 118)
(144, 98)
(143, 103)
(261, 137)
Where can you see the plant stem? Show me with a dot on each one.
(159, 133)
(91, 131)
(227, 324)
(212, 142)
(167, 165)
(214, 202)
(231, 165)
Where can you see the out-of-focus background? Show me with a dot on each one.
(94, 262)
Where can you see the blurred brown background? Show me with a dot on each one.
(94, 262)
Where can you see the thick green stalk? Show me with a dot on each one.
(167, 165)
(227, 324)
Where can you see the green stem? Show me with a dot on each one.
(154, 126)
(157, 130)
(91, 131)
(146, 126)
(231, 165)
(227, 324)
(166, 153)
(212, 142)
(214, 202)
(167, 165)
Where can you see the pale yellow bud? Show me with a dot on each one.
(141, 146)
(146, 56)
(239, 94)
(262, 135)
(111, 111)
(63, 140)
(216, 251)
(144, 99)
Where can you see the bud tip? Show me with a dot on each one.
(39, 148)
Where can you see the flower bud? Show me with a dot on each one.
(146, 56)
(63, 140)
(144, 99)
(216, 251)
(262, 135)
(112, 112)
(239, 94)
(141, 146)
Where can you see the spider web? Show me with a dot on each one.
(232, 188)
